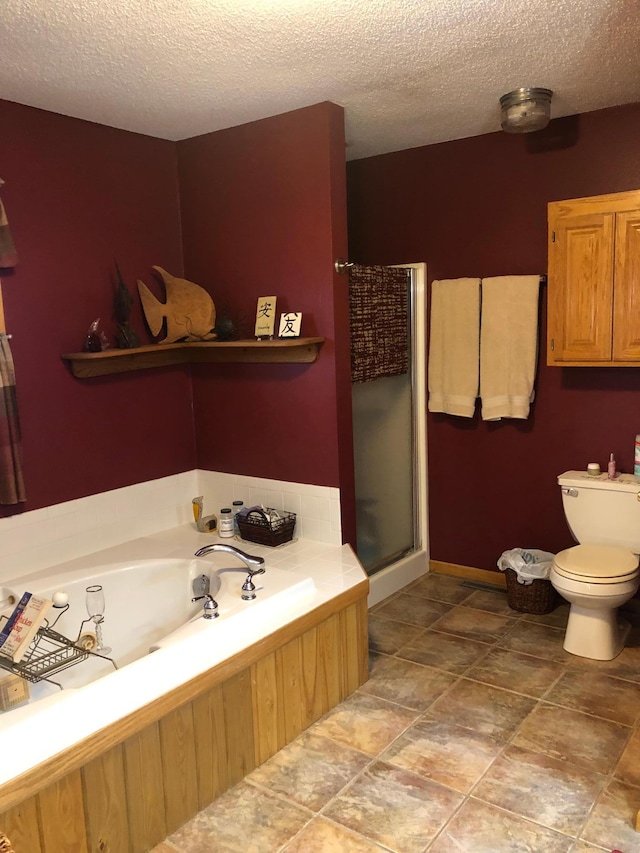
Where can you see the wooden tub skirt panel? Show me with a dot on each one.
(124, 789)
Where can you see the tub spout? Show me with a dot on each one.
(255, 565)
(247, 559)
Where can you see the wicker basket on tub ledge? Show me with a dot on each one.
(256, 527)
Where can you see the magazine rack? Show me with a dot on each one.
(49, 654)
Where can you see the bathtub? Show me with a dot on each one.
(118, 760)
(158, 638)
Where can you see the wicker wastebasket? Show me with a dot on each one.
(537, 597)
(529, 589)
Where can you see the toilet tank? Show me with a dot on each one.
(602, 511)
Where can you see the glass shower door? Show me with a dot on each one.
(383, 420)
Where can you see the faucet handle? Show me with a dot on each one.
(210, 605)
(249, 588)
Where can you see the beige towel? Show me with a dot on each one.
(454, 346)
(508, 345)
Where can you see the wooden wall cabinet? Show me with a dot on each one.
(593, 314)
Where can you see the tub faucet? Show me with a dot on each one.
(255, 565)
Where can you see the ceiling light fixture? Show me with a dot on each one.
(525, 110)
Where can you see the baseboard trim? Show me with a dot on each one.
(468, 572)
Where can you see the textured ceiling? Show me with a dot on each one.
(408, 72)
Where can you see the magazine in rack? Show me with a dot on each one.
(18, 630)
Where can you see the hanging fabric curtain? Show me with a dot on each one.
(11, 482)
(8, 254)
(378, 310)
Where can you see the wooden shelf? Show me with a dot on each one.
(85, 365)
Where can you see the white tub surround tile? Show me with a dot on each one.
(45, 537)
(317, 508)
(35, 540)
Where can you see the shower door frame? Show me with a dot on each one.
(397, 575)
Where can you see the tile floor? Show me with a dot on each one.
(476, 732)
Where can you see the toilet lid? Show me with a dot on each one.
(596, 563)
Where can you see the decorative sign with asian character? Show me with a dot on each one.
(266, 317)
(290, 324)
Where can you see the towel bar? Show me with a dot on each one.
(543, 278)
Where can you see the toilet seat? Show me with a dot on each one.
(596, 564)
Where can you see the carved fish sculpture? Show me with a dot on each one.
(189, 310)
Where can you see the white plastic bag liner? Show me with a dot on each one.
(529, 564)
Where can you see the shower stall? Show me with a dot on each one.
(387, 307)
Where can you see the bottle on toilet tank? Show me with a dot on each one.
(636, 458)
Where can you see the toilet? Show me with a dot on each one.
(601, 573)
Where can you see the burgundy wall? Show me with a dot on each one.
(79, 195)
(477, 207)
(264, 213)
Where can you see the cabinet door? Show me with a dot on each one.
(580, 288)
(626, 318)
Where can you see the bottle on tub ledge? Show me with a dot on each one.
(225, 527)
(238, 506)
(204, 523)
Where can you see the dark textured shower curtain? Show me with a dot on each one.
(11, 482)
(378, 309)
